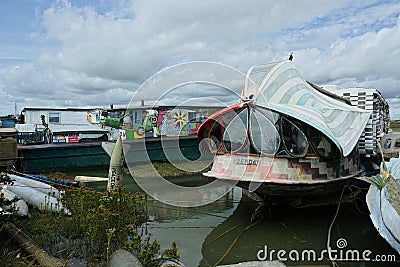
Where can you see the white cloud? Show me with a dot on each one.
(366, 60)
(97, 55)
(394, 112)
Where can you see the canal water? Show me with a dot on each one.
(222, 232)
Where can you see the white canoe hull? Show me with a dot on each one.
(42, 201)
(19, 207)
(40, 186)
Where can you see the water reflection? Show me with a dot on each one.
(204, 234)
(293, 229)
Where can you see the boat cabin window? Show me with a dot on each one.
(322, 145)
(235, 135)
(262, 131)
(294, 140)
(264, 135)
(215, 129)
(213, 135)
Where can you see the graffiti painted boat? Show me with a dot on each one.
(286, 138)
(158, 133)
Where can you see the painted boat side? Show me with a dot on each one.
(285, 178)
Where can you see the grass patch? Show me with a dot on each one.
(395, 126)
(168, 170)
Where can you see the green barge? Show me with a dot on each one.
(55, 157)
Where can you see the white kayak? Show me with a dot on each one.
(42, 201)
(19, 207)
(40, 186)
(89, 179)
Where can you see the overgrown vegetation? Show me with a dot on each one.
(100, 223)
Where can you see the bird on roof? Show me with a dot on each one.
(291, 56)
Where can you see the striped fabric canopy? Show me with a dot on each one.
(284, 90)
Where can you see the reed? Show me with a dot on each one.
(101, 222)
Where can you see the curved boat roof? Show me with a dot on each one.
(284, 90)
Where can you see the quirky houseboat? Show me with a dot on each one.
(286, 138)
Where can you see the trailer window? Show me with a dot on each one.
(54, 117)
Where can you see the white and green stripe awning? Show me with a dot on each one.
(284, 90)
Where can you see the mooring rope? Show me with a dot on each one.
(328, 242)
(235, 241)
(355, 198)
(225, 232)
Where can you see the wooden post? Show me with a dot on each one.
(29, 246)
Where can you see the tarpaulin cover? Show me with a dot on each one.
(284, 90)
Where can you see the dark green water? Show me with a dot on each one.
(204, 234)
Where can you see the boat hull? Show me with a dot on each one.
(163, 149)
(51, 157)
(304, 190)
(384, 217)
(283, 179)
(384, 205)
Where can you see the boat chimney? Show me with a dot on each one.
(112, 106)
(142, 102)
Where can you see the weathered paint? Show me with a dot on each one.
(281, 170)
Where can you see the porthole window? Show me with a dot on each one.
(264, 135)
(294, 140)
(235, 135)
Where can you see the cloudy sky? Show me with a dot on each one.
(76, 53)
